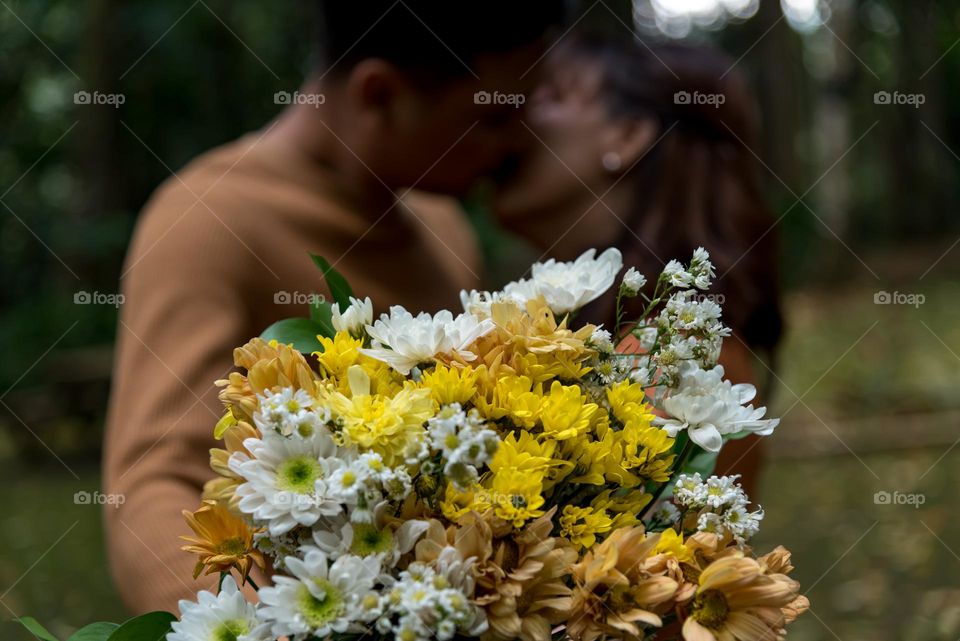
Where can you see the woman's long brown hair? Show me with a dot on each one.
(699, 184)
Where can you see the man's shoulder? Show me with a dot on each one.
(231, 172)
(211, 205)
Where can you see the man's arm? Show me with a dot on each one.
(183, 314)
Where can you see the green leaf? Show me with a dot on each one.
(94, 632)
(321, 313)
(299, 332)
(37, 630)
(339, 287)
(147, 627)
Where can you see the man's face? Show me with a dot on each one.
(445, 139)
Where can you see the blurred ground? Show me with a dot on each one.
(868, 395)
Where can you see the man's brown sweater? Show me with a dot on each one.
(221, 252)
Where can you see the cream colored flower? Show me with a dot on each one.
(737, 600)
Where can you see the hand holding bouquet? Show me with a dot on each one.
(502, 474)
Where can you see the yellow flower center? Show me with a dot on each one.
(298, 474)
(369, 540)
(319, 612)
(230, 630)
(710, 609)
(234, 546)
(305, 429)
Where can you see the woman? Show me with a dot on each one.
(649, 150)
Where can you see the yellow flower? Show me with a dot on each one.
(625, 510)
(522, 452)
(601, 461)
(456, 503)
(671, 543)
(565, 412)
(223, 541)
(737, 600)
(544, 367)
(647, 450)
(628, 402)
(513, 397)
(582, 525)
(392, 427)
(449, 385)
(339, 354)
(515, 495)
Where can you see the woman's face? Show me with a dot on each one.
(571, 132)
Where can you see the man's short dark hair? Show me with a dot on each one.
(435, 37)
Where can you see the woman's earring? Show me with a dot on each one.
(611, 161)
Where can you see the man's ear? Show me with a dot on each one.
(374, 88)
(633, 138)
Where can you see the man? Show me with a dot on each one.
(221, 250)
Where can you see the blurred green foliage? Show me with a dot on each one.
(73, 176)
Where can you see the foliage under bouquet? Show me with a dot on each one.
(505, 473)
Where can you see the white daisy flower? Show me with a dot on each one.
(354, 318)
(689, 490)
(568, 286)
(286, 479)
(633, 281)
(286, 411)
(387, 544)
(710, 408)
(404, 341)
(320, 598)
(602, 341)
(666, 513)
(421, 603)
(478, 302)
(464, 443)
(676, 274)
(710, 522)
(226, 615)
(701, 269)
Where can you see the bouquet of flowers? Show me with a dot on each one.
(503, 473)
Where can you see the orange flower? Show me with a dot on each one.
(617, 592)
(223, 541)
